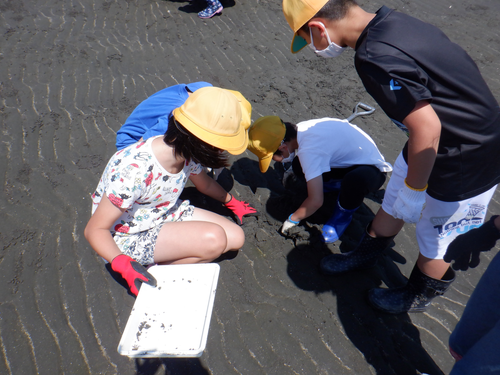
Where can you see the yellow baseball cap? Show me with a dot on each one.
(265, 136)
(246, 109)
(213, 115)
(297, 13)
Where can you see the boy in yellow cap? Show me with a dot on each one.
(433, 90)
(138, 218)
(328, 152)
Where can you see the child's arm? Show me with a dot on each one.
(313, 201)
(210, 187)
(425, 130)
(97, 232)
(310, 205)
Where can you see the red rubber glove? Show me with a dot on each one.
(133, 272)
(240, 209)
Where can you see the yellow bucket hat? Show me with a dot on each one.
(265, 136)
(213, 115)
(246, 109)
(297, 13)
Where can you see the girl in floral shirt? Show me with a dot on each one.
(138, 217)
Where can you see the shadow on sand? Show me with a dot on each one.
(389, 343)
(170, 366)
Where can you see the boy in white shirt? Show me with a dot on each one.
(330, 151)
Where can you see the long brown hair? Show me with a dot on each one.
(189, 147)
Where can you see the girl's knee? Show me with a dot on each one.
(216, 242)
(236, 238)
(221, 239)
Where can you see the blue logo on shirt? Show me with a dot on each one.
(394, 85)
(474, 218)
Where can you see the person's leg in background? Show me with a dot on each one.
(360, 181)
(440, 223)
(379, 233)
(356, 183)
(476, 338)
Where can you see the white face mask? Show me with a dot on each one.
(289, 158)
(333, 50)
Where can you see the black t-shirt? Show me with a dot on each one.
(401, 61)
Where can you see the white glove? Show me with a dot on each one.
(409, 204)
(289, 223)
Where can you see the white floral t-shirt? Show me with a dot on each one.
(135, 180)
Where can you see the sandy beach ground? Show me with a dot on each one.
(71, 71)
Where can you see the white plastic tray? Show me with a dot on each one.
(172, 320)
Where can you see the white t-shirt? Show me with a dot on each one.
(135, 180)
(333, 143)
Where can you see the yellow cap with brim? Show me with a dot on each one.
(213, 115)
(246, 109)
(265, 136)
(298, 43)
(297, 13)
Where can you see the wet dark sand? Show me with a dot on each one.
(72, 71)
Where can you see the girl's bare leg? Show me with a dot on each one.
(200, 240)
